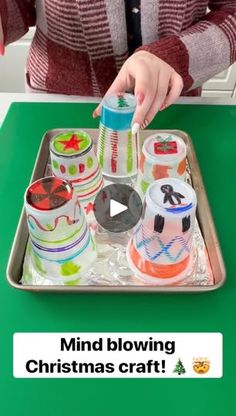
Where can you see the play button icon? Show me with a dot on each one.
(118, 208)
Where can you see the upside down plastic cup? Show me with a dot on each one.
(160, 249)
(61, 242)
(73, 158)
(117, 149)
(163, 155)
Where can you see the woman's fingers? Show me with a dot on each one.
(150, 78)
(176, 86)
(145, 89)
(97, 111)
(160, 96)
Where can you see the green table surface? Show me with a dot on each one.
(213, 130)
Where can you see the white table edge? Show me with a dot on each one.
(6, 99)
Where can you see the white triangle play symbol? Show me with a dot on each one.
(116, 208)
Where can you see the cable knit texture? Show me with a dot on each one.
(80, 45)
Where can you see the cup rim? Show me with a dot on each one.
(105, 103)
(74, 155)
(151, 203)
(48, 212)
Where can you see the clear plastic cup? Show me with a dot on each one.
(61, 241)
(163, 155)
(73, 158)
(117, 148)
(161, 246)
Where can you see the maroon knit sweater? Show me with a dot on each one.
(80, 45)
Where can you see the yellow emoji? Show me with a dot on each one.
(201, 365)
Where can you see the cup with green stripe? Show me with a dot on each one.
(117, 149)
(73, 158)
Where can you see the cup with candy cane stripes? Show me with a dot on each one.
(73, 158)
(62, 245)
(160, 250)
(117, 148)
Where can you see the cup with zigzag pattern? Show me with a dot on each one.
(62, 247)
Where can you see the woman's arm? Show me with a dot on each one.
(16, 16)
(204, 49)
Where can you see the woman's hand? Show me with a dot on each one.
(156, 85)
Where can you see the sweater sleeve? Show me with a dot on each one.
(16, 16)
(204, 49)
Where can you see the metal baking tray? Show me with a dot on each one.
(204, 217)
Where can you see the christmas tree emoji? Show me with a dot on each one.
(179, 368)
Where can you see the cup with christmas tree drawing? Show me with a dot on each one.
(73, 158)
(160, 249)
(163, 155)
(62, 246)
(117, 148)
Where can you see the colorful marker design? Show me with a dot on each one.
(73, 158)
(58, 229)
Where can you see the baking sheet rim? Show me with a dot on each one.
(123, 289)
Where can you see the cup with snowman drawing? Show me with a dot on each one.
(160, 249)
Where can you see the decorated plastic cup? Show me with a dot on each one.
(73, 158)
(117, 148)
(163, 155)
(61, 242)
(161, 246)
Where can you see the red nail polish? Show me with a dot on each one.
(2, 49)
